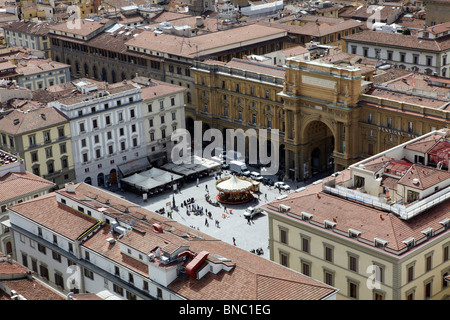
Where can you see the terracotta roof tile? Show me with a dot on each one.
(15, 184)
(31, 120)
(399, 40)
(45, 211)
(252, 277)
(371, 222)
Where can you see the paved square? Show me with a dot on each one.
(247, 236)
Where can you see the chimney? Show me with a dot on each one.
(70, 187)
(199, 21)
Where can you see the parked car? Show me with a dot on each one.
(281, 185)
(256, 176)
(268, 182)
(251, 212)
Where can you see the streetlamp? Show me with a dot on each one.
(173, 193)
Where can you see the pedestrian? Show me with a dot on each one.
(248, 219)
(234, 241)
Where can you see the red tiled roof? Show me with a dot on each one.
(426, 176)
(10, 267)
(14, 185)
(399, 40)
(160, 89)
(47, 212)
(425, 144)
(371, 222)
(32, 290)
(31, 121)
(252, 277)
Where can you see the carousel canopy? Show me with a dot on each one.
(234, 184)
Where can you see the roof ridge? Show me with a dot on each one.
(315, 284)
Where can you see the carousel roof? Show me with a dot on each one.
(234, 184)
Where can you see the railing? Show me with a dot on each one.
(404, 212)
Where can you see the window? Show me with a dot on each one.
(122, 146)
(56, 256)
(121, 132)
(110, 149)
(402, 56)
(369, 120)
(34, 156)
(130, 278)
(62, 148)
(240, 115)
(117, 289)
(329, 278)
(82, 127)
(254, 119)
(283, 236)
(24, 260)
(410, 127)
(43, 272)
(428, 290)
(445, 253)
(174, 115)
(390, 54)
(328, 253)
(47, 136)
(149, 107)
(85, 157)
(161, 105)
(120, 116)
(428, 262)
(163, 133)
(150, 122)
(108, 120)
(305, 244)
(132, 113)
(163, 119)
(410, 273)
(83, 143)
(353, 290)
(353, 263)
(48, 152)
(41, 248)
(389, 122)
(95, 123)
(88, 274)
(32, 139)
(59, 281)
(379, 273)
(159, 293)
(86, 255)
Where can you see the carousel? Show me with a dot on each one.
(234, 190)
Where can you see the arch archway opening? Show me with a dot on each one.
(320, 147)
